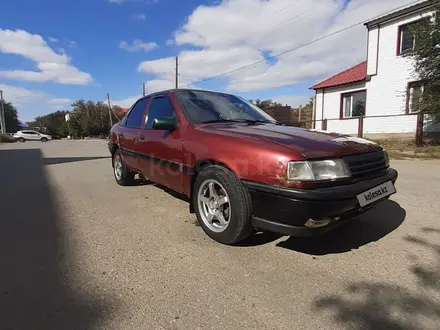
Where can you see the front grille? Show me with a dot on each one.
(368, 165)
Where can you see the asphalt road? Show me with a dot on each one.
(77, 251)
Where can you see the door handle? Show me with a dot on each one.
(141, 137)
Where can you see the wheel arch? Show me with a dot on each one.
(199, 166)
(113, 148)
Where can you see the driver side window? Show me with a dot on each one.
(161, 107)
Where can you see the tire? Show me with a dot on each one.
(125, 177)
(43, 139)
(238, 213)
(20, 139)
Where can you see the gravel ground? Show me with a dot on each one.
(77, 251)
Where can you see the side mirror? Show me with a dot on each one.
(164, 123)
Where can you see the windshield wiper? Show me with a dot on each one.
(221, 121)
(251, 121)
(258, 121)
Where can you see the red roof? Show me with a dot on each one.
(354, 74)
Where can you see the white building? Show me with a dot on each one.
(383, 85)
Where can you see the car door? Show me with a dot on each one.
(128, 134)
(160, 150)
(25, 135)
(31, 135)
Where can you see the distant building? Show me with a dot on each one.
(384, 84)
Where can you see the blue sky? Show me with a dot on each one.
(53, 52)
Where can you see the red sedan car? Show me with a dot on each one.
(241, 170)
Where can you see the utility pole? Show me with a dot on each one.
(109, 109)
(143, 89)
(177, 72)
(2, 113)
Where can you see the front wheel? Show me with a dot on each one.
(222, 205)
(44, 139)
(123, 175)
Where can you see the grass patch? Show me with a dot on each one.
(404, 149)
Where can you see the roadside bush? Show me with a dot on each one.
(6, 138)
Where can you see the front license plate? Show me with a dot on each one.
(374, 194)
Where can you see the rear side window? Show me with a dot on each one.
(134, 119)
(160, 107)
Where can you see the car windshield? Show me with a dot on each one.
(207, 107)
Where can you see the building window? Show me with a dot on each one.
(406, 41)
(414, 96)
(353, 104)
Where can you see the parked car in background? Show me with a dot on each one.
(30, 135)
(242, 170)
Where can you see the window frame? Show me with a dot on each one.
(400, 37)
(31, 132)
(127, 116)
(411, 84)
(157, 96)
(342, 102)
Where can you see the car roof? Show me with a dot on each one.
(180, 89)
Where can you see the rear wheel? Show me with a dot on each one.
(43, 139)
(123, 175)
(20, 139)
(222, 205)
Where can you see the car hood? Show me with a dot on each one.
(310, 143)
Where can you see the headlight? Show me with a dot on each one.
(317, 170)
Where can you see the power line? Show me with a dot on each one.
(299, 47)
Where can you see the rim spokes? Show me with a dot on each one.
(214, 205)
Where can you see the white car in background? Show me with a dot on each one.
(30, 135)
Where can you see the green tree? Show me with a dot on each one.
(87, 118)
(90, 118)
(426, 56)
(50, 123)
(11, 117)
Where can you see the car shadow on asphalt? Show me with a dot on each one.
(369, 227)
(36, 291)
(364, 229)
(375, 305)
(62, 160)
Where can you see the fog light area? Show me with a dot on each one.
(317, 223)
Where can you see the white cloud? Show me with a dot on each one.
(52, 66)
(72, 44)
(137, 45)
(140, 17)
(169, 42)
(19, 95)
(51, 39)
(236, 33)
(116, 1)
(151, 87)
(125, 103)
(32, 103)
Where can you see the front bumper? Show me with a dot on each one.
(286, 211)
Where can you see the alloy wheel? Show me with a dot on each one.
(214, 205)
